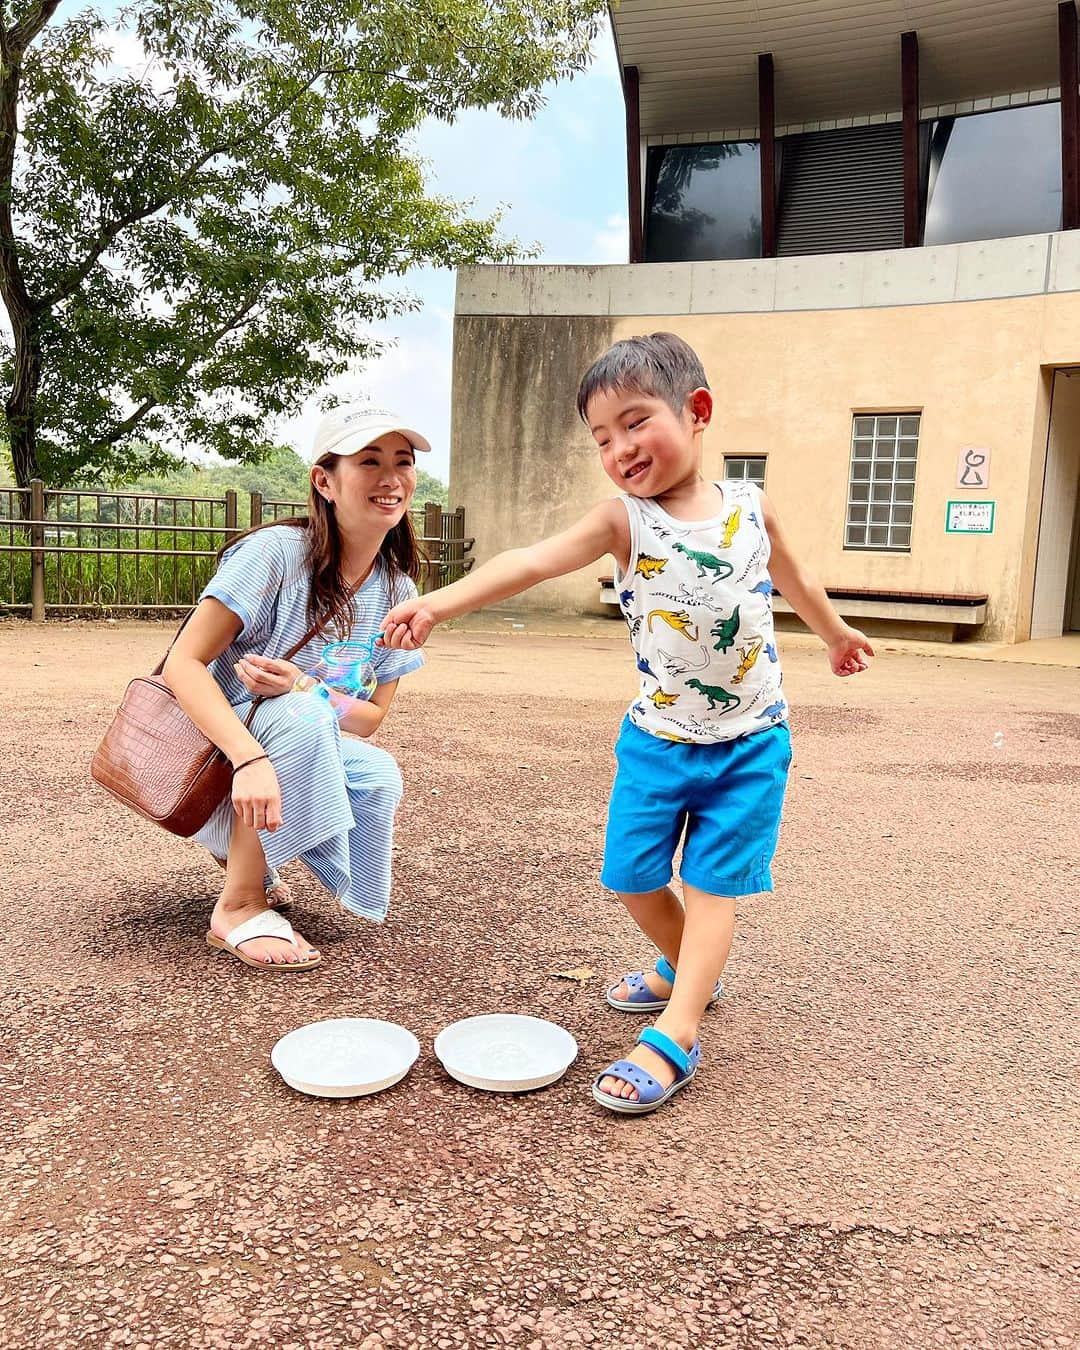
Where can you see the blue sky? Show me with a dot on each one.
(561, 180)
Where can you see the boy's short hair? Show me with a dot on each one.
(660, 365)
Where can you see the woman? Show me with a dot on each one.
(299, 789)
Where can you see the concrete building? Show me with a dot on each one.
(865, 218)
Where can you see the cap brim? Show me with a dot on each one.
(355, 439)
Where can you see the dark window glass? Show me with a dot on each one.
(994, 174)
(704, 202)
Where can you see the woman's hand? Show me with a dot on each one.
(848, 652)
(256, 795)
(266, 676)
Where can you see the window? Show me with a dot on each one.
(703, 201)
(841, 191)
(749, 467)
(881, 488)
(995, 174)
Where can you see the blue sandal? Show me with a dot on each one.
(642, 999)
(651, 1096)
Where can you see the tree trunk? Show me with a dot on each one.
(19, 406)
(22, 315)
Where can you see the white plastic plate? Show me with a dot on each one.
(505, 1052)
(345, 1056)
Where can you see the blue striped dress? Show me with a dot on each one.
(338, 793)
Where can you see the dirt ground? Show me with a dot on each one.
(879, 1151)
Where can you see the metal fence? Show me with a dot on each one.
(83, 551)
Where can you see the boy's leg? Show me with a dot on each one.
(708, 928)
(243, 897)
(660, 917)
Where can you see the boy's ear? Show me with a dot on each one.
(700, 403)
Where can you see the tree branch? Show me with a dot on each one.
(203, 350)
(12, 282)
(21, 36)
(75, 277)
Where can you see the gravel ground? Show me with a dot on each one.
(880, 1149)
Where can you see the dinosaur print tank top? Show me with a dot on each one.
(696, 596)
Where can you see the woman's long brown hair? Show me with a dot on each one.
(330, 598)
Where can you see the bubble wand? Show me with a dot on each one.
(343, 675)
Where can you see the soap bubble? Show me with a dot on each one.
(343, 675)
(999, 740)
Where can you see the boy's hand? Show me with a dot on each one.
(408, 625)
(266, 676)
(846, 652)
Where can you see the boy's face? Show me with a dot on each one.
(646, 448)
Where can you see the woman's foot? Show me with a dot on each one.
(233, 910)
(279, 892)
(654, 1064)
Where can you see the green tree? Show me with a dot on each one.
(191, 246)
(281, 476)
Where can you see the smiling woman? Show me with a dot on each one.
(281, 593)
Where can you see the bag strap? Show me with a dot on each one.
(311, 633)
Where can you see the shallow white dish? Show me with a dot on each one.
(345, 1056)
(505, 1052)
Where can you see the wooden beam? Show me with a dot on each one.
(633, 161)
(909, 82)
(1070, 116)
(767, 132)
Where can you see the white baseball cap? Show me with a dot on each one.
(352, 427)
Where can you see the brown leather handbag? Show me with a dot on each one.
(155, 760)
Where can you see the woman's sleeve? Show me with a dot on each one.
(391, 663)
(249, 581)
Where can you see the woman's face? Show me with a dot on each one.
(373, 487)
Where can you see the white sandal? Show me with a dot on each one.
(268, 924)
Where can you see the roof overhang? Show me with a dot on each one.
(697, 59)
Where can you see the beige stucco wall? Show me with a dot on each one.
(786, 385)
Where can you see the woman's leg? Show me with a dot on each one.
(243, 897)
(375, 789)
(278, 890)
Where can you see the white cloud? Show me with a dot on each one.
(612, 243)
(129, 55)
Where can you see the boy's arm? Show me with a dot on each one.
(807, 598)
(604, 529)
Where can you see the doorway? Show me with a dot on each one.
(1056, 606)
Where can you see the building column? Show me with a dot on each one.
(633, 161)
(1070, 116)
(909, 82)
(767, 134)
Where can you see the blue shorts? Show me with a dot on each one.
(726, 796)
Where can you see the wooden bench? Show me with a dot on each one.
(855, 602)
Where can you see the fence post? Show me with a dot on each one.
(230, 512)
(433, 531)
(456, 550)
(37, 551)
(256, 510)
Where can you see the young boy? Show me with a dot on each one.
(704, 749)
